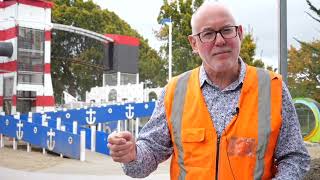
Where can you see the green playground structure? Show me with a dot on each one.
(308, 111)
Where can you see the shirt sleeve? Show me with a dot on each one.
(292, 156)
(154, 144)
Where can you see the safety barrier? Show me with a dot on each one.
(60, 131)
(308, 111)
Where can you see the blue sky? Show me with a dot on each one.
(257, 16)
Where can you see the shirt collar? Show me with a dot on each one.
(203, 78)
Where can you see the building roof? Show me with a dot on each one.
(37, 3)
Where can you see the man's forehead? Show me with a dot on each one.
(212, 14)
(213, 22)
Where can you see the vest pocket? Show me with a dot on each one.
(193, 135)
(196, 149)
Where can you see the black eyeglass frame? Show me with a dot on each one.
(216, 32)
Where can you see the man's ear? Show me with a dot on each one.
(193, 44)
(240, 32)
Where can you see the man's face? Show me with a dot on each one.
(221, 54)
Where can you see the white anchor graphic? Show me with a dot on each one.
(90, 120)
(129, 114)
(51, 143)
(19, 132)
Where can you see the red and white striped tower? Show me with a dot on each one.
(25, 80)
(46, 101)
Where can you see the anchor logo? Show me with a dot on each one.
(90, 120)
(19, 132)
(50, 142)
(129, 114)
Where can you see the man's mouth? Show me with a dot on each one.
(221, 52)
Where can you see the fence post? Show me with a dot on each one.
(14, 141)
(119, 126)
(93, 138)
(62, 128)
(82, 145)
(1, 141)
(30, 121)
(137, 127)
(132, 125)
(1, 135)
(126, 125)
(45, 124)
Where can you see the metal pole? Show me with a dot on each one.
(282, 34)
(170, 51)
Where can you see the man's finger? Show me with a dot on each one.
(118, 141)
(121, 147)
(115, 138)
(126, 135)
(120, 153)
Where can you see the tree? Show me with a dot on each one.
(77, 60)
(304, 65)
(315, 10)
(180, 12)
(247, 51)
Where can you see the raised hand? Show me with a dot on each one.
(122, 146)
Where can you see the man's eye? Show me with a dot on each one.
(208, 34)
(227, 30)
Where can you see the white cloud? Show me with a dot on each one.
(260, 15)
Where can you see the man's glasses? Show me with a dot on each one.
(228, 32)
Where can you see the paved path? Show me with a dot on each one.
(18, 164)
(10, 174)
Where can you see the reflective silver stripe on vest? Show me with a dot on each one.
(264, 120)
(176, 118)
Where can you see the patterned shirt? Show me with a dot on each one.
(154, 143)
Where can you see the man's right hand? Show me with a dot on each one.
(122, 147)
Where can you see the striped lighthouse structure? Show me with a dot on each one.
(25, 48)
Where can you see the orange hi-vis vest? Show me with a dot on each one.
(246, 146)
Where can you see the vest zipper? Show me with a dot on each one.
(217, 156)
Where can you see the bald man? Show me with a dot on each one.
(222, 120)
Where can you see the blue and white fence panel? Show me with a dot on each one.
(57, 141)
(66, 142)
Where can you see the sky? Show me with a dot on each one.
(256, 16)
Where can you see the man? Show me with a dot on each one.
(223, 120)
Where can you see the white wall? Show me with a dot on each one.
(33, 17)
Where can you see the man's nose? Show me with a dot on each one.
(219, 40)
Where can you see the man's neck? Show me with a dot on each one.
(223, 79)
